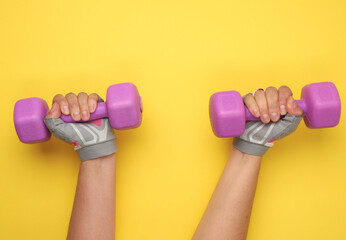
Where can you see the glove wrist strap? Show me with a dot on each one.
(249, 147)
(97, 150)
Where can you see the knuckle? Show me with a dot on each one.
(284, 87)
(70, 95)
(248, 97)
(58, 96)
(271, 91)
(82, 94)
(271, 88)
(259, 93)
(93, 97)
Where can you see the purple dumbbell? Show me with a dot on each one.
(123, 108)
(320, 103)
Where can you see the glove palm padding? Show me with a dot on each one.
(258, 136)
(91, 140)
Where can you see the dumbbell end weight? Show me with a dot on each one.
(227, 114)
(28, 114)
(124, 106)
(321, 105)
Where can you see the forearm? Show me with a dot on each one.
(228, 213)
(93, 214)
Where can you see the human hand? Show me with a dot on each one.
(91, 139)
(268, 104)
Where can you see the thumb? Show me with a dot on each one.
(293, 108)
(54, 112)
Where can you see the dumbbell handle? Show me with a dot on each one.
(250, 117)
(100, 112)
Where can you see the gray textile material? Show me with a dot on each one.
(96, 151)
(249, 148)
(255, 139)
(90, 140)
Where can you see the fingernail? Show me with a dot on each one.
(84, 114)
(282, 110)
(265, 117)
(76, 115)
(275, 116)
(256, 112)
(65, 110)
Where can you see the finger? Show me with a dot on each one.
(63, 104)
(92, 102)
(284, 93)
(54, 112)
(262, 104)
(251, 104)
(293, 108)
(273, 103)
(83, 105)
(73, 106)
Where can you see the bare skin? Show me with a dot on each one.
(93, 214)
(228, 213)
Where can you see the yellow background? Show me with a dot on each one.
(178, 54)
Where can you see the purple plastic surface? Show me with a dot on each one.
(324, 99)
(320, 103)
(28, 120)
(124, 106)
(227, 113)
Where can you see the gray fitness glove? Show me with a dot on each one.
(93, 139)
(258, 136)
